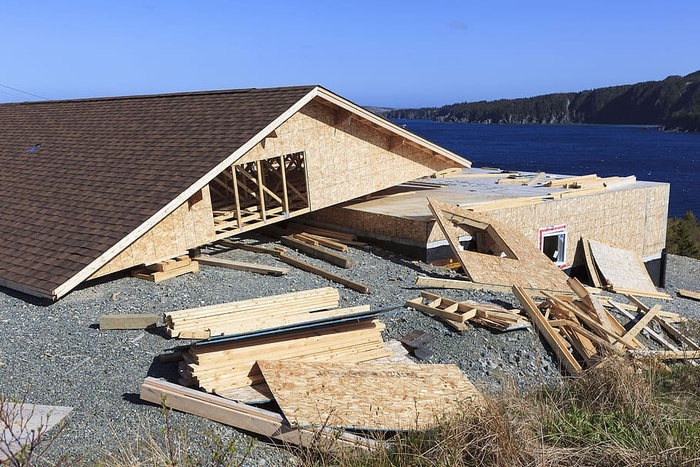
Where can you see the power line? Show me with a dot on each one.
(25, 92)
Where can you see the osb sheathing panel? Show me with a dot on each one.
(375, 396)
(529, 267)
(189, 226)
(409, 230)
(631, 218)
(345, 156)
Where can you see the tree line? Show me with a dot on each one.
(673, 103)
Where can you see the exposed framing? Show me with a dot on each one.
(244, 196)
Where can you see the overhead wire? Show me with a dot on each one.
(23, 92)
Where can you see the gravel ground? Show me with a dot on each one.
(55, 353)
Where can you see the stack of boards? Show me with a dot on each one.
(277, 346)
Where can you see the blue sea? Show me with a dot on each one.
(606, 150)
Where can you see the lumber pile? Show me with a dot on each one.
(167, 269)
(220, 366)
(580, 330)
(250, 315)
(484, 314)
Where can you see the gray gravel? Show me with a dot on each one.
(55, 354)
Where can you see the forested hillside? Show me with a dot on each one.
(673, 103)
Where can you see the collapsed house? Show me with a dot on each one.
(96, 186)
(553, 211)
(92, 187)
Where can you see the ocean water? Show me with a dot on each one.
(606, 150)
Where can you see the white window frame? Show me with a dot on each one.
(559, 231)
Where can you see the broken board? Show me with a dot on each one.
(386, 397)
(622, 269)
(513, 259)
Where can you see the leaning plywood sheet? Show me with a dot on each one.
(511, 259)
(24, 423)
(622, 269)
(380, 396)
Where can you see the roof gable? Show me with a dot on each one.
(104, 166)
(83, 179)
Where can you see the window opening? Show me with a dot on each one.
(552, 242)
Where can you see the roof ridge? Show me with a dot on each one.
(212, 92)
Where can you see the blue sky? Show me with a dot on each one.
(385, 53)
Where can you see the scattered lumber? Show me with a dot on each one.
(462, 284)
(242, 266)
(668, 354)
(485, 314)
(689, 294)
(129, 321)
(323, 273)
(553, 338)
(166, 269)
(319, 240)
(386, 396)
(317, 252)
(245, 417)
(249, 315)
(220, 366)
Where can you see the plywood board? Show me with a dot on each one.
(25, 420)
(519, 262)
(384, 396)
(621, 268)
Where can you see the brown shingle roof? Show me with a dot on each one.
(105, 166)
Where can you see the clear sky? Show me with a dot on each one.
(386, 53)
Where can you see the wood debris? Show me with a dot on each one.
(504, 256)
(621, 270)
(580, 330)
(241, 266)
(689, 294)
(168, 269)
(485, 314)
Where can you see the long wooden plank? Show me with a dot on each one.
(323, 273)
(669, 354)
(242, 416)
(688, 294)
(591, 302)
(129, 321)
(675, 333)
(461, 284)
(317, 252)
(646, 330)
(242, 266)
(590, 265)
(552, 337)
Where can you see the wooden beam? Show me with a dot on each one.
(460, 284)
(689, 294)
(128, 321)
(316, 252)
(243, 416)
(552, 337)
(642, 322)
(242, 266)
(323, 273)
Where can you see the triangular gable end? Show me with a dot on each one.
(348, 152)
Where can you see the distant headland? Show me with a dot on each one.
(673, 104)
